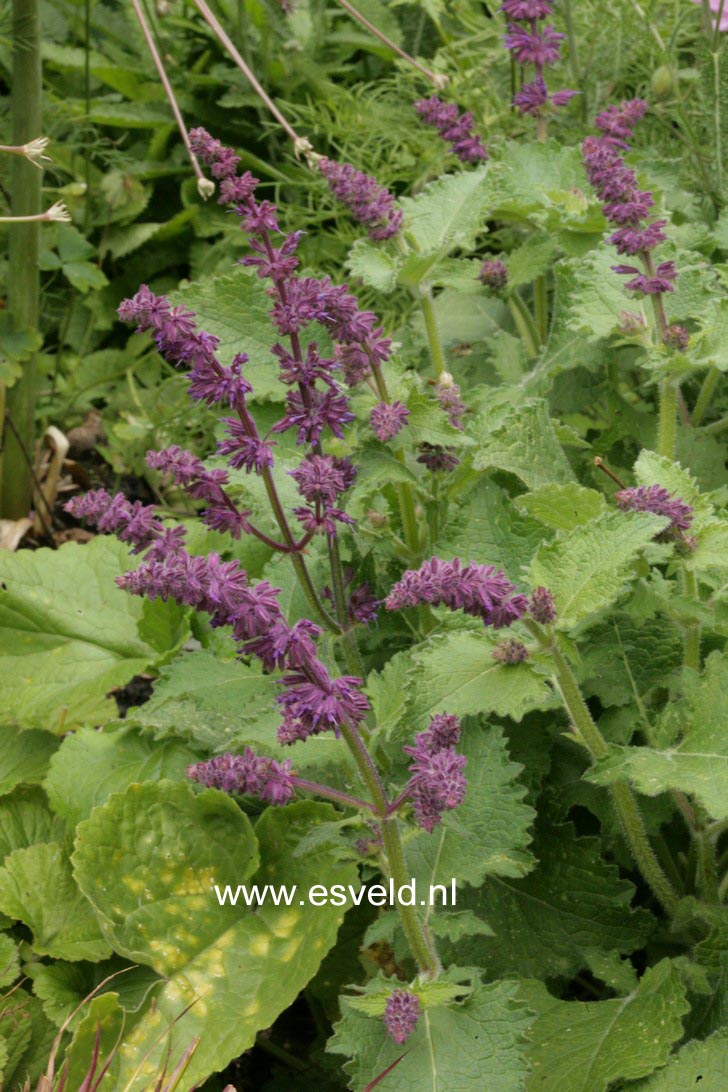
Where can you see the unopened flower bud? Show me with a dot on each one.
(205, 188)
(664, 81)
(510, 651)
(401, 1014)
(630, 324)
(676, 337)
(377, 519)
(542, 606)
(493, 274)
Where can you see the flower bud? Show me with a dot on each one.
(205, 188)
(664, 81)
(493, 274)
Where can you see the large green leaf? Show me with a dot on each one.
(448, 213)
(563, 507)
(26, 820)
(91, 765)
(523, 442)
(588, 568)
(586, 1047)
(456, 673)
(488, 528)
(696, 759)
(37, 888)
(477, 1044)
(240, 967)
(217, 704)
(549, 922)
(698, 1063)
(24, 756)
(234, 307)
(488, 834)
(69, 635)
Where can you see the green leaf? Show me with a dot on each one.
(489, 528)
(62, 987)
(587, 569)
(373, 265)
(99, 1030)
(26, 820)
(456, 673)
(216, 704)
(522, 441)
(654, 469)
(157, 907)
(69, 635)
(694, 1064)
(488, 834)
(531, 260)
(563, 507)
(235, 308)
(428, 423)
(586, 1047)
(27, 1038)
(91, 765)
(9, 964)
(698, 764)
(37, 888)
(546, 183)
(547, 923)
(24, 756)
(625, 660)
(476, 1044)
(449, 212)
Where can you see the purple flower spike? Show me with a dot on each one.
(368, 202)
(437, 784)
(257, 775)
(538, 48)
(454, 127)
(401, 1014)
(657, 499)
(447, 393)
(437, 458)
(388, 420)
(480, 590)
(525, 11)
(130, 522)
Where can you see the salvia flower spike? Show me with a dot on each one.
(454, 127)
(534, 46)
(401, 1014)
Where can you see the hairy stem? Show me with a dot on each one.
(691, 648)
(524, 324)
(667, 419)
(705, 395)
(437, 353)
(405, 493)
(623, 798)
(541, 308)
(335, 795)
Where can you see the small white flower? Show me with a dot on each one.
(205, 188)
(440, 81)
(58, 213)
(34, 150)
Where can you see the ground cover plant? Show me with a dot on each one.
(389, 556)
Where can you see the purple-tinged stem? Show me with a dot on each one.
(335, 795)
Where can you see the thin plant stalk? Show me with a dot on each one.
(623, 798)
(439, 81)
(524, 324)
(204, 185)
(23, 261)
(691, 646)
(541, 308)
(437, 353)
(705, 396)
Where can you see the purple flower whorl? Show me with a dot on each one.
(538, 47)
(401, 1014)
(454, 127)
(480, 590)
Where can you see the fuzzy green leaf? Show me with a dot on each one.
(698, 1063)
(449, 212)
(26, 820)
(24, 756)
(456, 673)
(69, 635)
(476, 1044)
(9, 962)
(488, 528)
(523, 442)
(698, 763)
(37, 888)
(586, 1047)
(219, 705)
(373, 265)
(544, 924)
(158, 908)
(488, 834)
(625, 660)
(563, 507)
(588, 568)
(91, 765)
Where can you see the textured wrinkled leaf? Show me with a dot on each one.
(697, 1063)
(585, 1047)
(563, 507)
(373, 265)
(624, 659)
(698, 763)
(488, 528)
(449, 212)
(243, 966)
(523, 442)
(428, 423)
(489, 833)
(234, 307)
(214, 703)
(27, 1038)
(9, 963)
(547, 183)
(456, 673)
(476, 1044)
(544, 924)
(91, 765)
(26, 820)
(531, 260)
(37, 888)
(588, 568)
(69, 635)
(24, 756)
(62, 987)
